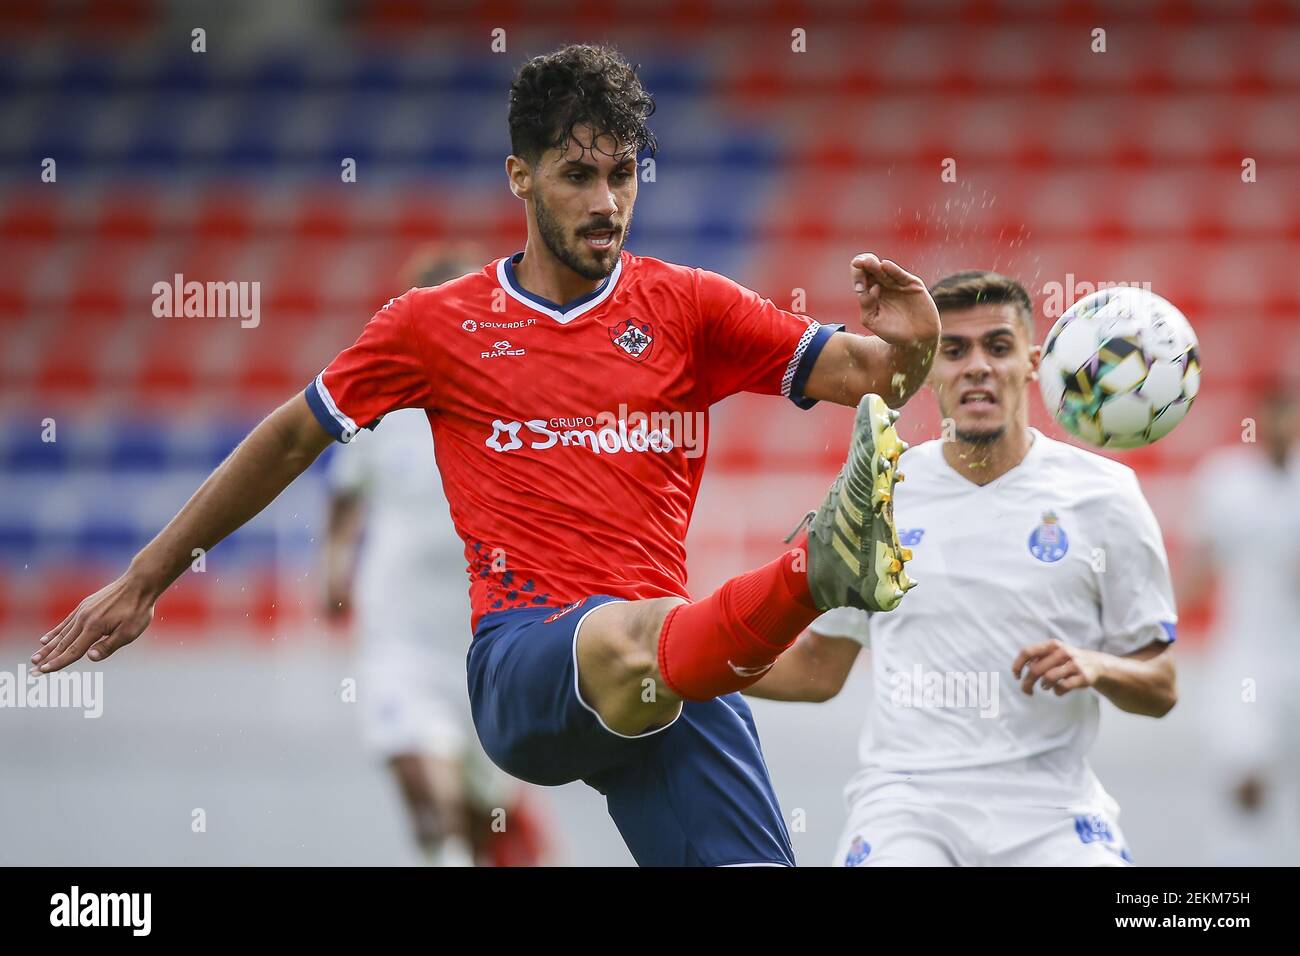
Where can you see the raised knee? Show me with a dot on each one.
(630, 656)
(645, 632)
(626, 651)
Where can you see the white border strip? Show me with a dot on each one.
(562, 317)
(348, 425)
(781, 866)
(787, 380)
(577, 629)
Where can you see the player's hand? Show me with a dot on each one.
(894, 304)
(107, 620)
(1056, 667)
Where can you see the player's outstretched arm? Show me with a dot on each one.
(275, 453)
(1144, 682)
(813, 670)
(895, 305)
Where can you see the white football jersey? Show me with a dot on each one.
(1062, 546)
(1247, 511)
(411, 573)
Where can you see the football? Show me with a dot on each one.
(1120, 368)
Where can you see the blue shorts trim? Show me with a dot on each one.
(695, 792)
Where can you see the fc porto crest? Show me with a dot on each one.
(859, 850)
(1048, 542)
(1093, 827)
(633, 337)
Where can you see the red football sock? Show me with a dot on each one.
(727, 641)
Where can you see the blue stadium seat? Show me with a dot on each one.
(473, 75)
(251, 545)
(277, 73)
(185, 73)
(156, 141)
(88, 71)
(25, 452)
(109, 540)
(378, 74)
(676, 77)
(223, 437)
(19, 540)
(138, 446)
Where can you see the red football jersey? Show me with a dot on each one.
(571, 438)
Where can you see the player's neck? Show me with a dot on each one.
(540, 273)
(982, 463)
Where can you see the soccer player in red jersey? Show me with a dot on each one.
(567, 389)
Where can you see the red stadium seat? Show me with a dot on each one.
(324, 214)
(72, 367)
(125, 216)
(185, 607)
(166, 370)
(225, 213)
(28, 216)
(1119, 167)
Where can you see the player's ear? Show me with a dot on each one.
(519, 174)
(1035, 360)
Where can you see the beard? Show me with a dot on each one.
(565, 248)
(990, 437)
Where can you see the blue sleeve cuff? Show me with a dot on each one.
(322, 413)
(804, 364)
(331, 418)
(328, 414)
(1171, 630)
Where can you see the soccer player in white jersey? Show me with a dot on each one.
(1043, 586)
(1249, 539)
(392, 553)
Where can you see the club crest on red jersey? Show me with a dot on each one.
(634, 337)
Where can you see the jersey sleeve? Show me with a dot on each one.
(750, 345)
(1137, 595)
(849, 622)
(381, 372)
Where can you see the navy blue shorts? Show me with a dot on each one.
(693, 793)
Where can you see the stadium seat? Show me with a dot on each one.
(772, 169)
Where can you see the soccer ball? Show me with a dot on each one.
(1120, 368)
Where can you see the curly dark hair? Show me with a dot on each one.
(576, 84)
